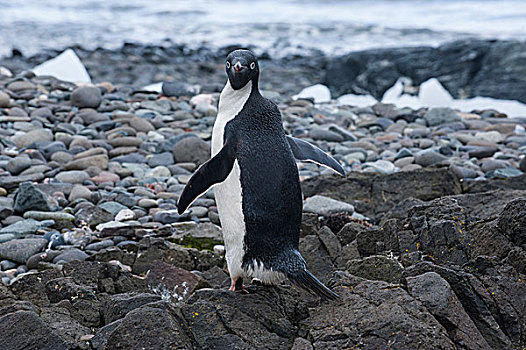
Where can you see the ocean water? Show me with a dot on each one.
(278, 27)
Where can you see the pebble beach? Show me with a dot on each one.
(92, 247)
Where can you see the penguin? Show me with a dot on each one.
(257, 188)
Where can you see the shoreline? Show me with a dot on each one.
(466, 68)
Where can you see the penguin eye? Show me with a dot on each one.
(253, 65)
(227, 65)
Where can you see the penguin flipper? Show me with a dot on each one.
(303, 150)
(215, 170)
(306, 280)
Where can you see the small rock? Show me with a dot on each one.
(437, 116)
(19, 250)
(427, 158)
(28, 197)
(124, 215)
(322, 205)
(191, 149)
(86, 97)
(70, 255)
(72, 177)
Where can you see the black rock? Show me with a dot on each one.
(29, 197)
(472, 66)
(25, 330)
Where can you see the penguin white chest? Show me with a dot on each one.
(228, 194)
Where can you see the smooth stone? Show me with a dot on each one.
(380, 166)
(90, 152)
(61, 157)
(191, 149)
(160, 171)
(34, 136)
(322, 205)
(168, 216)
(463, 172)
(105, 176)
(79, 191)
(100, 245)
(7, 265)
(165, 159)
(86, 97)
(427, 158)
(437, 116)
(19, 250)
(490, 136)
(98, 161)
(110, 224)
(147, 203)
(5, 237)
(36, 169)
(70, 255)
(503, 173)
(402, 162)
(4, 100)
(200, 212)
(482, 152)
(21, 85)
(355, 157)
(18, 164)
(126, 141)
(318, 133)
(493, 164)
(25, 227)
(124, 215)
(72, 176)
(48, 215)
(112, 207)
(29, 197)
(404, 152)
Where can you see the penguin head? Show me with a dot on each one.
(241, 67)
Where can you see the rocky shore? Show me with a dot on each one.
(424, 238)
(466, 68)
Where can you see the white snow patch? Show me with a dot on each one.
(320, 93)
(66, 66)
(155, 87)
(433, 94)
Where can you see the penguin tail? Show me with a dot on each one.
(306, 280)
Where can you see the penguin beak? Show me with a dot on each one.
(238, 67)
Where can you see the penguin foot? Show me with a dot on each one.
(237, 285)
